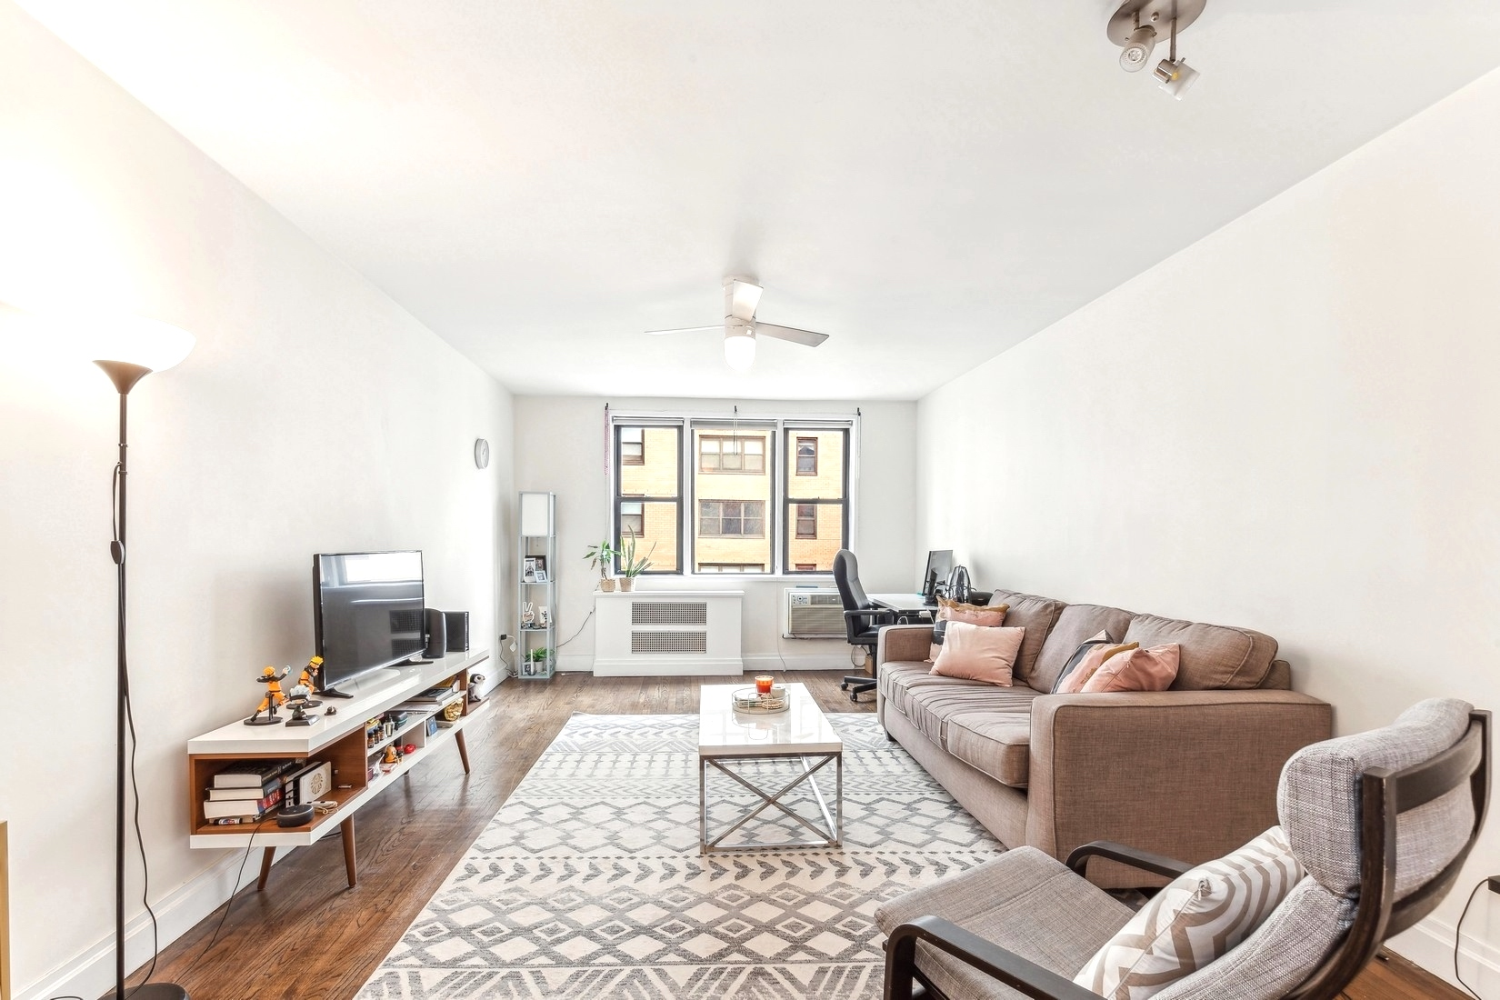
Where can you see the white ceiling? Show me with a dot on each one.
(930, 183)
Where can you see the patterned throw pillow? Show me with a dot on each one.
(953, 611)
(1101, 636)
(1092, 660)
(1195, 920)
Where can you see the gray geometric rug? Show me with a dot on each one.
(588, 882)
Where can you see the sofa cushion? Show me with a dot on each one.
(1036, 615)
(997, 743)
(1075, 625)
(977, 653)
(1214, 657)
(928, 701)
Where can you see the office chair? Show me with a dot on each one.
(862, 619)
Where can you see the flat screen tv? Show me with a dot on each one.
(367, 612)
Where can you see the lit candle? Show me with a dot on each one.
(763, 683)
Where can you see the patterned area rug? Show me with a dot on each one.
(588, 882)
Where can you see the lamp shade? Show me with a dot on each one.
(739, 346)
(136, 340)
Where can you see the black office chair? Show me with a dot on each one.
(862, 619)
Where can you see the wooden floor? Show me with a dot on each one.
(310, 937)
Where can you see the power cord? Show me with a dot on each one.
(1458, 933)
(233, 891)
(575, 634)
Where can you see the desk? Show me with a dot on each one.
(908, 607)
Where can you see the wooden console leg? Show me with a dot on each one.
(463, 750)
(347, 829)
(265, 868)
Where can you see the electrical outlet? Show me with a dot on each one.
(1494, 881)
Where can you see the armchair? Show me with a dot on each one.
(1033, 922)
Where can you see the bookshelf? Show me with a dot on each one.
(536, 543)
(340, 740)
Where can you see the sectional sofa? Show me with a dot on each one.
(1190, 772)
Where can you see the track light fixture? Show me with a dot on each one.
(1137, 24)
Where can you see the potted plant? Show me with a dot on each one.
(601, 557)
(538, 658)
(630, 566)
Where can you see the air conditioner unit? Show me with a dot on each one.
(808, 613)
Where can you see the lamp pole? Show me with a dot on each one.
(124, 375)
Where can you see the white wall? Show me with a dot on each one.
(315, 415)
(560, 446)
(1292, 425)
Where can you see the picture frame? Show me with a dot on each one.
(540, 576)
(528, 569)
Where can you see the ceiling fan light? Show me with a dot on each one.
(1176, 77)
(739, 347)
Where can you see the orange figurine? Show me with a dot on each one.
(273, 700)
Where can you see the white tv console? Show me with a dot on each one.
(338, 739)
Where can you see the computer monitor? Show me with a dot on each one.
(940, 560)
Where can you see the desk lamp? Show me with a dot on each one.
(131, 350)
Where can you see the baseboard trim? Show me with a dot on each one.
(752, 663)
(1430, 945)
(806, 661)
(92, 973)
(646, 666)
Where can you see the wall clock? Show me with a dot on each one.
(481, 453)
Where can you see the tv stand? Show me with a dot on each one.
(339, 740)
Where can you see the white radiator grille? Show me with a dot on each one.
(669, 613)
(668, 642)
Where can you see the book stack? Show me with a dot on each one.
(245, 793)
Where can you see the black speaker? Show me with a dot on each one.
(437, 635)
(458, 631)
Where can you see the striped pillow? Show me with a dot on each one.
(1195, 920)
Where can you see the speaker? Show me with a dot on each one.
(437, 635)
(458, 631)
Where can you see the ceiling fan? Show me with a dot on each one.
(741, 328)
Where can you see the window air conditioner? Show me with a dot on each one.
(808, 613)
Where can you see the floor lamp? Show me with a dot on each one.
(133, 350)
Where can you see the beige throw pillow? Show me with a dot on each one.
(979, 653)
(1151, 669)
(1195, 920)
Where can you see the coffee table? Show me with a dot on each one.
(801, 735)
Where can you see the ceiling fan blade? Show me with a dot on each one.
(740, 298)
(804, 337)
(684, 329)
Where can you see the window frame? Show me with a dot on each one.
(741, 518)
(797, 455)
(617, 498)
(779, 522)
(719, 440)
(633, 460)
(788, 501)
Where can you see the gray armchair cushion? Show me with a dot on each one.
(1025, 902)
(1279, 955)
(1318, 799)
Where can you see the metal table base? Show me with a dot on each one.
(832, 832)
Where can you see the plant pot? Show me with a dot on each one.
(607, 585)
(627, 584)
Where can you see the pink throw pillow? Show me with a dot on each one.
(1089, 665)
(974, 614)
(1151, 669)
(979, 653)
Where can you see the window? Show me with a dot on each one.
(817, 500)
(807, 456)
(807, 521)
(648, 493)
(732, 494)
(723, 518)
(720, 454)
(632, 446)
(632, 519)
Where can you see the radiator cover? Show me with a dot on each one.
(668, 634)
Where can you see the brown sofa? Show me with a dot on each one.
(1190, 773)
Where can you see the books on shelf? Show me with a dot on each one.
(243, 794)
(252, 774)
(243, 808)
